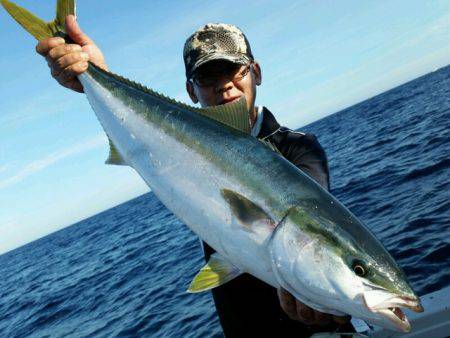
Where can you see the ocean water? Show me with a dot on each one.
(124, 272)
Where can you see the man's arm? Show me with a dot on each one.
(66, 61)
(308, 155)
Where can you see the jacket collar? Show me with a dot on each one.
(269, 124)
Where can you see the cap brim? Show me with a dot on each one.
(238, 59)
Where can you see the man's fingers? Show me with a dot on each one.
(67, 77)
(341, 319)
(296, 310)
(322, 318)
(68, 74)
(68, 60)
(305, 313)
(287, 303)
(75, 33)
(44, 46)
(62, 50)
(55, 72)
(76, 86)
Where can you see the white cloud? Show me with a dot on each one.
(24, 111)
(42, 163)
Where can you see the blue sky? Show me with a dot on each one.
(317, 57)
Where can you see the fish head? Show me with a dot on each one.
(381, 289)
(327, 268)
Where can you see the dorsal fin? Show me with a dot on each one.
(234, 115)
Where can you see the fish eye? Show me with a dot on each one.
(359, 268)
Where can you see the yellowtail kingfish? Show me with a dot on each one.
(260, 213)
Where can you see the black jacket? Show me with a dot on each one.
(246, 306)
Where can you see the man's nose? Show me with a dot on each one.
(223, 85)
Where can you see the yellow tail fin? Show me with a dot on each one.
(37, 27)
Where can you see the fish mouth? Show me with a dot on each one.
(390, 308)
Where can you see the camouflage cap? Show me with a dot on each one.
(215, 41)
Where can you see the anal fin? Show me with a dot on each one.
(216, 272)
(114, 156)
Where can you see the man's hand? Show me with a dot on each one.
(66, 61)
(296, 310)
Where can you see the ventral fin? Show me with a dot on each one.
(247, 212)
(114, 156)
(216, 272)
(234, 115)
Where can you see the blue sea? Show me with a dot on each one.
(124, 272)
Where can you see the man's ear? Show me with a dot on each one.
(191, 92)
(257, 72)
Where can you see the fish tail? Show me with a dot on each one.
(37, 27)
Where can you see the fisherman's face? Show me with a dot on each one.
(218, 82)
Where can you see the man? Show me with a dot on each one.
(220, 68)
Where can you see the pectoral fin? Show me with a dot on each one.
(216, 272)
(246, 211)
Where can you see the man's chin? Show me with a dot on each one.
(230, 100)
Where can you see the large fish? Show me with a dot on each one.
(260, 213)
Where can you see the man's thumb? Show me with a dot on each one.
(74, 31)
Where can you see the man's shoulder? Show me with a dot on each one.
(308, 140)
(301, 149)
(285, 136)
